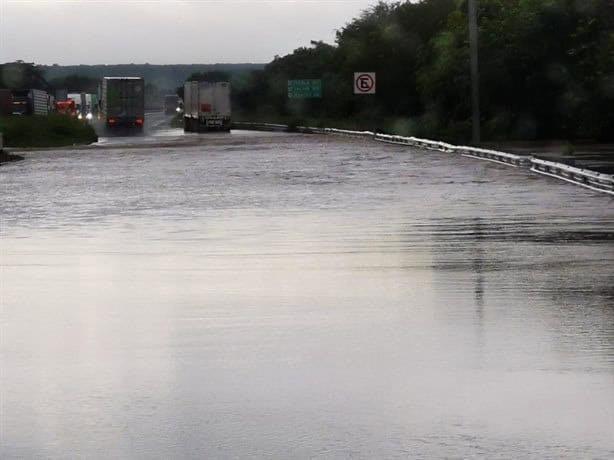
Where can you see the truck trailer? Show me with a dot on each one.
(171, 103)
(30, 102)
(206, 106)
(123, 102)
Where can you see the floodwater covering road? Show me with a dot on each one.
(281, 295)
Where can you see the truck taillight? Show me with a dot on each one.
(112, 121)
(139, 121)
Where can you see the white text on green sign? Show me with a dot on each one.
(304, 89)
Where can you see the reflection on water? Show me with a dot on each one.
(296, 296)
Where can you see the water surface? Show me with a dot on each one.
(300, 296)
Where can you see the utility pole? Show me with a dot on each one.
(475, 71)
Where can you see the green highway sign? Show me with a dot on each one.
(304, 89)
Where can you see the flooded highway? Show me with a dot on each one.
(280, 295)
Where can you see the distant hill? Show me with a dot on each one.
(163, 76)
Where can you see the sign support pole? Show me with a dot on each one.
(475, 71)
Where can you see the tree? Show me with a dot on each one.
(22, 75)
(212, 76)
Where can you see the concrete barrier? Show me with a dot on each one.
(583, 177)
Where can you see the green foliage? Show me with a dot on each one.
(547, 71)
(50, 131)
(212, 76)
(165, 77)
(22, 75)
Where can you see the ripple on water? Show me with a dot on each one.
(296, 296)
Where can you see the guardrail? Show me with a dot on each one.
(260, 126)
(349, 133)
(584, 177)
(415, 142)
(496, 156)
(472, 152)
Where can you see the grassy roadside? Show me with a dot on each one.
(50, 131)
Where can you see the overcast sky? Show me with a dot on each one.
(166, 31)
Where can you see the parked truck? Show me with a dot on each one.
(30, 102)
(206, 106)
(123, 102)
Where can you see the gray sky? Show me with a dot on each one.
(166, 31)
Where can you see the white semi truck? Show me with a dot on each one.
(206, 106)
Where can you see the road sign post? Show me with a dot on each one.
(475, 71)
(364, 83)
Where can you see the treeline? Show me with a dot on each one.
(165, 77)
(85, 78)
(22, 75)
(547, 71)
(160, 80)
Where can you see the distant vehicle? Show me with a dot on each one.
(91, 106)
(79, 100)
(66, 107)
(30, 102)
(123, 102)
(206, 106)
(86, 104)
(171, 103)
